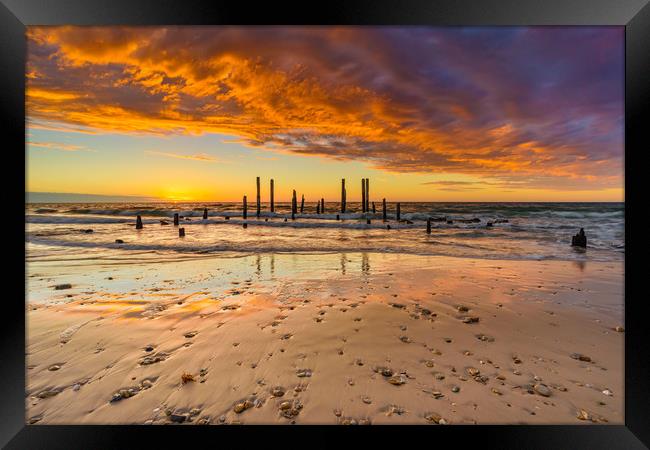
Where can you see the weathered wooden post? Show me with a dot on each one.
(384, 209)
(318, 208)
(245, 225)
(363, 195)
(272, 203)
(398, 212)
(342, 195)
(428, 225)
(368, 194)
(245, 213)
(176, 219)
(138, 223)
(294, 206)
(579, 240)
(367, 221)
(181, 232)
(322, 205)
(338, 217)
(373, 208)
(302, 204)
(205, 213)
(258, 196)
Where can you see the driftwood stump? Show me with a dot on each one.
(580, 239)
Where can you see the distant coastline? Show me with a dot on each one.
(59, 197)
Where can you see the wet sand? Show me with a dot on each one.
(325, 339)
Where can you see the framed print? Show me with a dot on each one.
(416, 218)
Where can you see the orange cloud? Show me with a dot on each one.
(514, 104)
(197, 157)
(59, 146)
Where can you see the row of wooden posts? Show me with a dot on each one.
(181, 231)
(320, 206)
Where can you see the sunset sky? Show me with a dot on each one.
(438, 114)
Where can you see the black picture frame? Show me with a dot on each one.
(15, 15)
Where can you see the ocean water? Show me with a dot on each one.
(532, 231)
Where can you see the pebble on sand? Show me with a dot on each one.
(397, 380)
(385, 371)
(59, 287)
(243, 406)
(290, 410)
(435, 418)
(48, 393)
(580, 357)
(470, 319)
(187, 377)
(542, 390)
(277, 391)
(304, 373)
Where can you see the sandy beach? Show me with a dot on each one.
(357, 338)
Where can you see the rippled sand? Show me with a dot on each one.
(327, 339)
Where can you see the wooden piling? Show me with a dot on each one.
(258, 197)
(176, 219)
(272, 203)
(373, 208)
(398, 212)
(205, 213)
(138, 223)
(245, 213)
(428, 225)
(318, 208)
(338, 217)
(342, 195)
(363, 195)
(245, 225)
(302, 204)
(384, 209)
(367, 221)
(322, 205)
(368, 194)
(294, 203)
(181, 232)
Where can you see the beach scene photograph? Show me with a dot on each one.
(332, 225)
